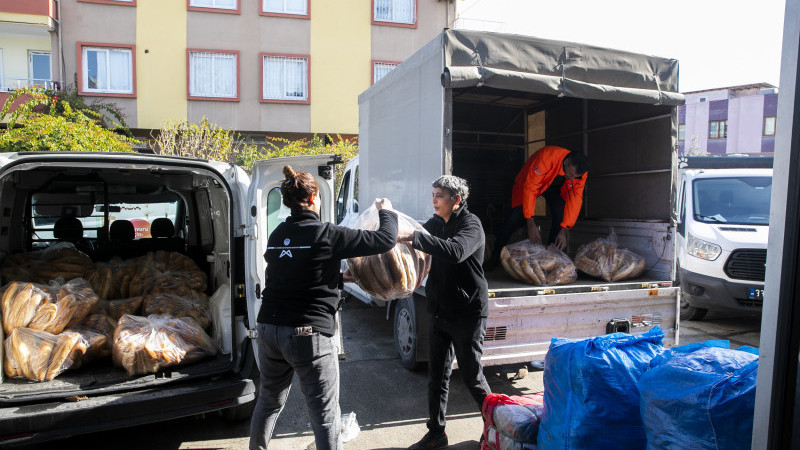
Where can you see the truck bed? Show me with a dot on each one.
(502, 285)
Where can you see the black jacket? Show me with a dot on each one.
(303, 267)
(456, 286)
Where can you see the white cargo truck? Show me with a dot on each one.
(476, 105)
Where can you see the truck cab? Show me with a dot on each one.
(723, 226)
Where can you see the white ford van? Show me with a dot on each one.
(723, 226)
(221, 220)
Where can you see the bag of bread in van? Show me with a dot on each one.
(602, 258)
(20, 302)
(175, 306)
(148, 344)
(78, 291)
(537, 265)
(396, 273)
(39, 355)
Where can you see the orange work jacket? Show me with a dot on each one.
(536, 176)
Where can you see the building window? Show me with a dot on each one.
(213, 4)
(718, 129)
(394, 11)
(285, 7)
(107, 70)
(285, 78)
(381, 68)
(213, 74)
(39, 69)
(681, 131)
(769, 126)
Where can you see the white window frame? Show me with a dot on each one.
(303, 12)
(774, 123)
(284, 59)
(214, 5)
(107, 50)
(382, 65)
(214, 56)
(392, 6)
(33, 81)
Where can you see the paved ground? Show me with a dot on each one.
(389, 401)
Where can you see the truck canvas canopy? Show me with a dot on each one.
(542, 66)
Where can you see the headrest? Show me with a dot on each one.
(68, 229)
(162, 227)
(121, 231)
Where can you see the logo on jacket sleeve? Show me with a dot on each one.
(537, 171)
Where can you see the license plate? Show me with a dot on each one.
(755, 293)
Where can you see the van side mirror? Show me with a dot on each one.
(355, 206)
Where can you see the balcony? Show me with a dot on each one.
(46, 8)
(12, 84)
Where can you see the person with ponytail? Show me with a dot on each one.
(297, 317)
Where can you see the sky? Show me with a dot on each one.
(718, 43)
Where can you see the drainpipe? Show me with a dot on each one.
(62, 69)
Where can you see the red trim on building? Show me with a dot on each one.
(379, 61)
(33, 7)
(79, 67)
(189, 96)
(110, 2)
(238, 9)
(261, 56)
(393, 24)
(307, 15)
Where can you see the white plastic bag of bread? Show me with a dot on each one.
(537, 265)
(39, 355)
(602, 258)
(156, 271)
(20, 302)
(177, 306)
(148, 344)
(396, 273)
(61, 260)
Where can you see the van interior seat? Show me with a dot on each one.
(162, 237)
(70, 229)
(121, 235)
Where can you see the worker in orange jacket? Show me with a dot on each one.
(559, 176)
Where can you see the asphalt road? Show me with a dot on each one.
(389, 401)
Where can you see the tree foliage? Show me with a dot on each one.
(38, 120)
(204, 140)
(279, 147)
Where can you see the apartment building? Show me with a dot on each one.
(737, 119)
(278, 67)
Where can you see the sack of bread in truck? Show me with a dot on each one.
(536, 264)
(603, 258)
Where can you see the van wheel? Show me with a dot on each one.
(689, 312)
(410, 335)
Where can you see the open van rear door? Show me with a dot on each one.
(266, 211)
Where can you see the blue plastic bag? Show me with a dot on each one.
(591, 400)
(700, 397)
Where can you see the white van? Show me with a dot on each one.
(222, 219)
(723, 226)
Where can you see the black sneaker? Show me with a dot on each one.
(431, 441)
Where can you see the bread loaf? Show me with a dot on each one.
(602, 258)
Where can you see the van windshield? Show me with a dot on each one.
(733, 200)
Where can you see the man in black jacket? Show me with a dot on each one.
(458, 298)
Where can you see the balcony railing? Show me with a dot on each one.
(12, 84)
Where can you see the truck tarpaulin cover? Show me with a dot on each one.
(591, 400)
(700, 396)
(523, 63)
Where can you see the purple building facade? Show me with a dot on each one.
(738, 119)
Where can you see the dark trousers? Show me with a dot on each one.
(515, 220)
(463, 339)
